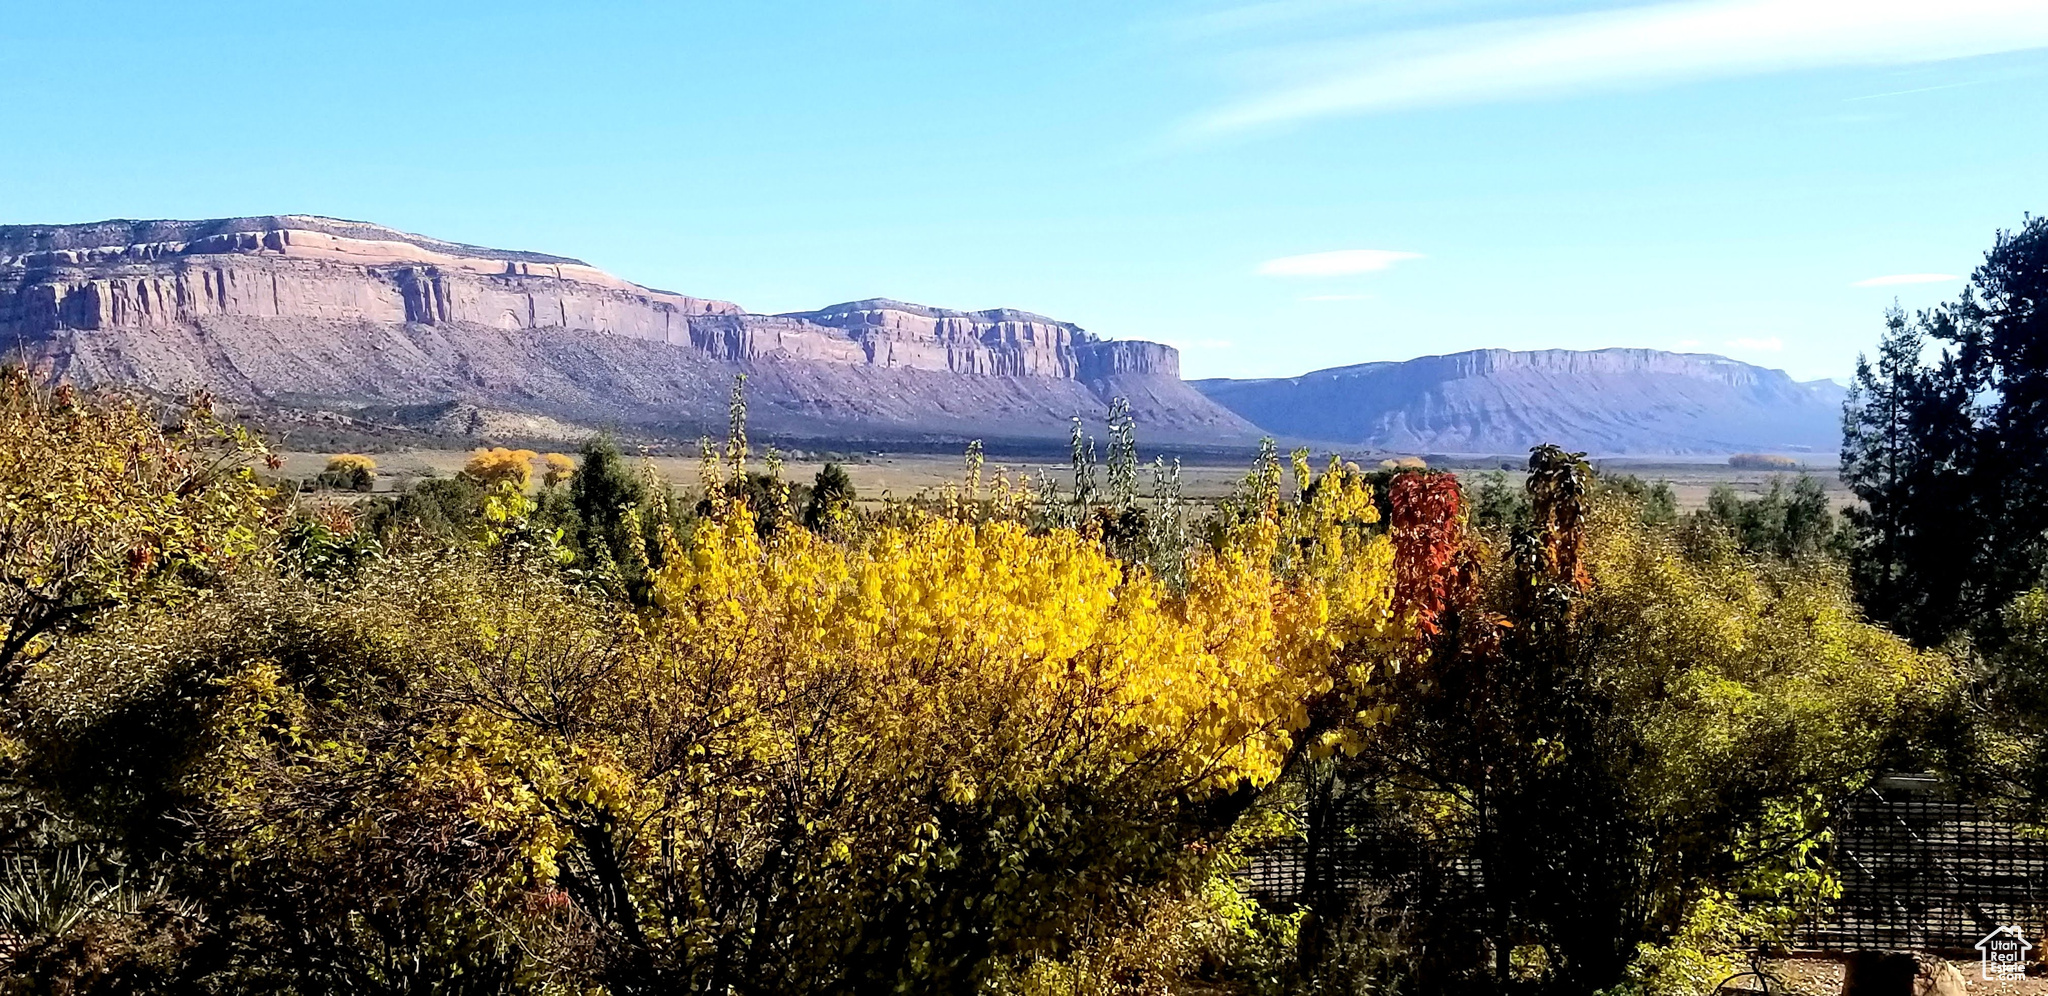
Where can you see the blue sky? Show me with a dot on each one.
(1274, 186)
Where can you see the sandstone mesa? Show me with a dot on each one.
(301, 309)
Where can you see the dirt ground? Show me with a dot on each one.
(1822, 976)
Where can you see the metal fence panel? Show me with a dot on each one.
(1919, 869)
(1923, 871)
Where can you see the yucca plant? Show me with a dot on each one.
(39, 899)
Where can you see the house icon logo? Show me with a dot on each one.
(2004, 954)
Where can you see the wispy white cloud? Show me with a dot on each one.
(1917, 89)
(1335, 264)
(1773, 344)
(1637, 46)
(1687, 344)
(1897, 279)
(1254, 16)
(1338, 297)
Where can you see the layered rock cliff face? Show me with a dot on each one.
(1496, 401)
(1000, 342)
(162, 274)
(314, 309)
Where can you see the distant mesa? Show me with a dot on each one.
(301, 315)
(320, 313)
(1615, 402)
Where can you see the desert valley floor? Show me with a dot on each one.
(904, 474)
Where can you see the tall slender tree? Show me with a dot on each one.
(604, 492)
(1950, 457)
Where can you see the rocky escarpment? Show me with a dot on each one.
(334, 312)
(998, 342)
(1488, 401)
(163, 274)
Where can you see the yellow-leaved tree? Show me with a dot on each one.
(950, 749)
(497, 465)
(925, 757)
(99, 501)
(352, 471)
(560, 467)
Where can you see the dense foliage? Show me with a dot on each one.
(1615, 759)
(601, 733)
(101, 504)
(1946, 444)
(1950, 458)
